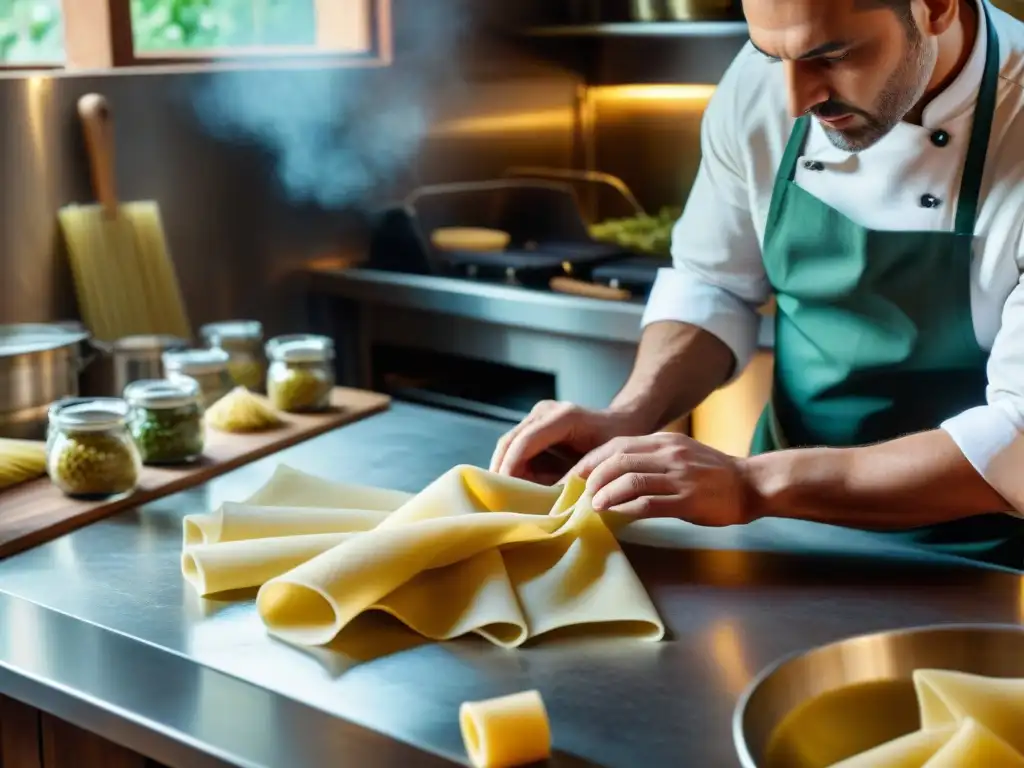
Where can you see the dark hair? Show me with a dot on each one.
(900, 7)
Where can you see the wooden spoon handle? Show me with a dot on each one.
(589, 290)
(98, 127)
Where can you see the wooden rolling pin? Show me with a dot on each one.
(589, 290)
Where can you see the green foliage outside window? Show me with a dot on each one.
(162, 25)
(31, 30)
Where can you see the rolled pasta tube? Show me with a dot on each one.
(213, 568)
(506, 731)
(235, 522)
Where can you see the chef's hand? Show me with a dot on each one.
(668, 475)
(556, 435)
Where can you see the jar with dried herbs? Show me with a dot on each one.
(166, 420)
(301, 374)
(90, 452)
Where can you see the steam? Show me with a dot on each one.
(338, 134)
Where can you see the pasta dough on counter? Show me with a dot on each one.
(21, 461)
(474, 552)
(242, 411)
(506, 731)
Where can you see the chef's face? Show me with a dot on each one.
(857, 66)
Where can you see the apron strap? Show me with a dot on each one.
(787, 169)
(977, 151)
(984, 113)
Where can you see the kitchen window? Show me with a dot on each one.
(99, 34)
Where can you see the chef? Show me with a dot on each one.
(863, 162)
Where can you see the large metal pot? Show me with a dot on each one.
(991, 650)
(39, 363)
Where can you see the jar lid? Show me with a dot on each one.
(301, 348)
(235, 330)
(86, 414)
(149, 343)
(195, 362)
(163, 393)
(27, 338)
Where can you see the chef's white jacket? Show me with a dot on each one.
(718, 279)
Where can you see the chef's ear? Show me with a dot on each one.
(934, 17)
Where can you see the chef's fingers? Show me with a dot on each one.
(501, 448)
(624, 477)
(647, 507)
(539, 411)
(533, 439)
(625, 494)
(585, 467)
(631, 487)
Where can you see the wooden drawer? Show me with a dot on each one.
(33, 739)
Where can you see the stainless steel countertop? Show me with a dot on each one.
(492, 302)
(99, 628)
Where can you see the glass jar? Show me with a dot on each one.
(301, 373)
(89, 452)
(141, 357)
(209, 367)
(243, 341)
(166, 420)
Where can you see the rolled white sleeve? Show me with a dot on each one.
(992, 436)
(682, 295)
(717, 281)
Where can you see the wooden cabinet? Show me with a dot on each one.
(33, 739)
(19, 735)
(68, 746)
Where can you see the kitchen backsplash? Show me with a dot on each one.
(257, 172)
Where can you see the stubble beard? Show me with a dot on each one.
(904, 89)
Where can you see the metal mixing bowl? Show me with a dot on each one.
(994, 650)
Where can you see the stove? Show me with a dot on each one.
(548, 237)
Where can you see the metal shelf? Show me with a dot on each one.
(645, 29)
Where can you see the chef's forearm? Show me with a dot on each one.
(918, 480)
(677, 366)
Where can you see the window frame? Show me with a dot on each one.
(98, 36)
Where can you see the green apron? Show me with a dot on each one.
(873, 331)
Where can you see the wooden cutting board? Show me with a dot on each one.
(37, 512)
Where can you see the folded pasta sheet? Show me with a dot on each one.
(967, 721)
(474, 552)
